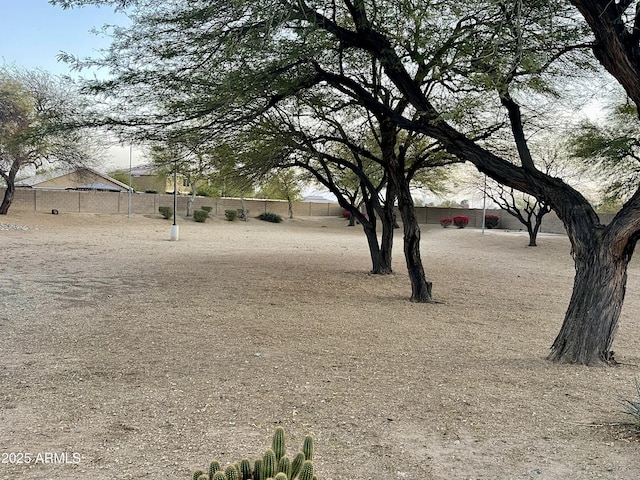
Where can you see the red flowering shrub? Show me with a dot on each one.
(491, 221)
(346, 214)
(460, 221)
(445, 222)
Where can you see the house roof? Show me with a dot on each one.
(40, 178)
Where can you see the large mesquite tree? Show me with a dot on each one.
(456, 67)
(36, 110)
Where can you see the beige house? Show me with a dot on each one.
(81, 178)
(149, 178)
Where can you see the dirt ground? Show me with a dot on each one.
(124, 355)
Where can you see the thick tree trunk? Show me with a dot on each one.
(592, 317)
(8, 198)
(380, 256)
(420, 288)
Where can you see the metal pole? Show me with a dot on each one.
(174, 227)
(129, 195)
(484, 204)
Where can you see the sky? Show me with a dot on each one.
(33, 33)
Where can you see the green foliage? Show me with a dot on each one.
(206, 208)
(231, 215)
(200, 216)
(270, 217)
(166, 212)
(611, 150)
(265, 466)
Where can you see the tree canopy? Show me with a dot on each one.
(37, 112)
(458, 74)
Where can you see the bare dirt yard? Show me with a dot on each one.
(126, 356)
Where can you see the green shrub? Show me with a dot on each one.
(491, 221)
(150, 191)
(166, 212)
(633, 407)
(206, 209)
(231, 215)
(200, 216)
(270, 217)
(301, 467)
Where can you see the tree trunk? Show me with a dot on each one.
(380, 257)
(591, 320)
(290, 203)
(420, 288)
(8, 198)
(533, 234)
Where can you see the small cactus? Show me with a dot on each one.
(307, 447)
(245, 469)
(278, 444)
(284, 466)
(214, 466)
(269, 463)
(196, 475)
(273, 465)
(307, 470)
(258, 472)
(232, 472)
(296, 465)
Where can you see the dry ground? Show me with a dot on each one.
(147, 358)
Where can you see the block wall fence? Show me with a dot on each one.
(148, 203)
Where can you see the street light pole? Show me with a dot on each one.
(484, 204)
(129, 196)
(174, 227)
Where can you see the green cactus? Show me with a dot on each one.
(232, 472)
(219, 475)
(284, 465)
(296, 465)
(278, 445)
(307, 447)
(258, 472)
(214, 466)
(196, 474)
(274, 464)
(269, 463)
(307, 470)
(245, 469)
